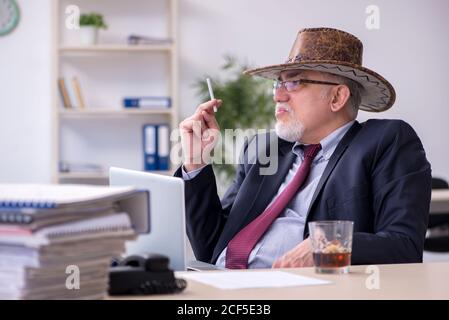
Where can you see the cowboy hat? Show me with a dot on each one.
(337, 52)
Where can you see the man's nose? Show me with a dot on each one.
(280, 95)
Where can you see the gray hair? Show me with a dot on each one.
(355, 88)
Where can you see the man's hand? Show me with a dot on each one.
(299, 256)
(199, 135)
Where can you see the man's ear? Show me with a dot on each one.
(341, 95)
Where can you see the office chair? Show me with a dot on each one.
(437, 238)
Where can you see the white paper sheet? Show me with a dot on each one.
(257, 279)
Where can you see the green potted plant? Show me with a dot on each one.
(247, 104)
(90, 23)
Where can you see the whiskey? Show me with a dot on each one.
(332, 260)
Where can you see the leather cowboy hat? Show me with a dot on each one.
(337, 52)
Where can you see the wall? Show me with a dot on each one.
(25, 105)
(409, 49)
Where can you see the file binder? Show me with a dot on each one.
(163, 147)
(147, 102)
(150, 147)
(95, 228)
(156, 146)
(35, 205)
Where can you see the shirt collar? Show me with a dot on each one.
(328, 144)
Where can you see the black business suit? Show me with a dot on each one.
(378, 177)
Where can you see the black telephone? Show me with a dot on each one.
(143, 274)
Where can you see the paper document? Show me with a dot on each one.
(257, 279)
(19, 195)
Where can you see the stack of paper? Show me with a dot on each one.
(57, 242)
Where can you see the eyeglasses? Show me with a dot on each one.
(292, 85)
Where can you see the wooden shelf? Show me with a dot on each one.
(98, 175)
(114, 112)
(115, 48)
(82, 175)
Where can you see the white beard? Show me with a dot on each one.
(290, 130)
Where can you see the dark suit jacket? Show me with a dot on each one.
(378, 177)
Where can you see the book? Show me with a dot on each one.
(147, 102)
(78, 94)
(64, 93)
(134, 39)
(72, 95)
(19, 220)
(28, 203)
(108, 226)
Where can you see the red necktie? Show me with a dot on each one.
(243, 242)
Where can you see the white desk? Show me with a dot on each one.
(397, 281)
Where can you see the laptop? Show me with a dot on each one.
(167, 233)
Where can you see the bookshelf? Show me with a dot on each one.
(111, 112)
(95, 176)
(104, 133)
(113, 48)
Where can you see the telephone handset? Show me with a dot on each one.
(143, 274)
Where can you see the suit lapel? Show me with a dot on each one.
(248, 208)
(244, 213)
(271, 183)
(341, 148)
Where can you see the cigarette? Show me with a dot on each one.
(211, 92)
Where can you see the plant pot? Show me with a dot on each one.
(88, 36)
